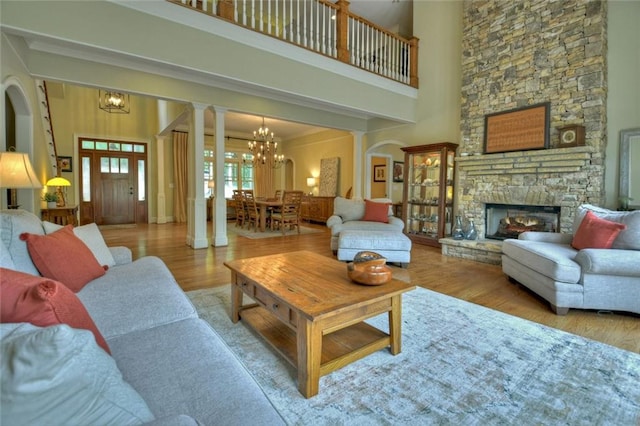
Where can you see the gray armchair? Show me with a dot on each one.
(605, 279)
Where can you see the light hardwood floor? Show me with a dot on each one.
(475, 282)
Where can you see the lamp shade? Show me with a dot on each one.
(311, 182)
(212, 184)
(16, 171)
(58, 181)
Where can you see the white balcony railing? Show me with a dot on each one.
(326, 28)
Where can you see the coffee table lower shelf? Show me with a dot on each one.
(339, 348)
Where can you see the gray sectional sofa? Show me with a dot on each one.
(588, 278)
(177, 364)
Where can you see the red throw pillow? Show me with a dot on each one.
(63, 257)
(376, 212)
(43, 302)
(595, 232)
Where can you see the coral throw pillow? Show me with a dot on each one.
(595, 232)
(376, 212)
(63, 257)
(43, 302)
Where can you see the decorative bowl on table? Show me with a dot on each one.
(369, 268)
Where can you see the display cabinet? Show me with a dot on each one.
(428, 192)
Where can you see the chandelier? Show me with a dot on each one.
(264, 149)
(113, 102)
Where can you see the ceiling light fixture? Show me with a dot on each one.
(264, 149)
(113, 102)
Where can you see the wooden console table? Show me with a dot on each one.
(316, 209)
(60, 215)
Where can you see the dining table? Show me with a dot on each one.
(264, 204)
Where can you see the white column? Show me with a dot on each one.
(357, 164)
(161, 199)
(196, 203)
(220, 206)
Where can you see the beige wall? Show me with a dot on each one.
(306, 153)
(438, 25)
(623, 103)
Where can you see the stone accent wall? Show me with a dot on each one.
(523, 53)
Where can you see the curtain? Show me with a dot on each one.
(180, 161)
(263, 180)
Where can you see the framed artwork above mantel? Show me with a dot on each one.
(518, 129)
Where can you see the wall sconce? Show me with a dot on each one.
(59, 182)
(16, 172)
(311, 183)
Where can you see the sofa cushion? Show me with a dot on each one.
(59, 376)
(376, 212)
(135, 296)
(63, 257)
(629, 238)
(220, 389)
(595, 232)
(348, 209)
(92, 237)
(552, 260)
(12, 224)
(43, 302)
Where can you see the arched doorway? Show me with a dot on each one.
(18, 134)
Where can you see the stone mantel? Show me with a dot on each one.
(539, 161)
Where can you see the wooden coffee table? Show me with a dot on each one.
(312, 313)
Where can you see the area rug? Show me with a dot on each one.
(268, 233)
(461, 364)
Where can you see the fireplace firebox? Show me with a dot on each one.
(509, 221)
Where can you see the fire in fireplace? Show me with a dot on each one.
(508, 221)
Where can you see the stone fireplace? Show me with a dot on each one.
(555, 179)
(513, 56)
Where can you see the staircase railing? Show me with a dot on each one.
(326, 28)
(47, 125)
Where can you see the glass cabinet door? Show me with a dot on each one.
(428, 195)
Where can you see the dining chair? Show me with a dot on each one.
(290, 212)
(238, 204)
(251, 209)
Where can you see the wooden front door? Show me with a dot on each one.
(115, 195)
(113, 182)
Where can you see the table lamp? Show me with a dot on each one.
(212, 187)
(16, 173)
(59, 182)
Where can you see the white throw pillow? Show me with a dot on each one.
(90, 235)
(348, 209)
(59, 376)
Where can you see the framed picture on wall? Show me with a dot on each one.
(398, 171)
(380, 173)
(65, 164)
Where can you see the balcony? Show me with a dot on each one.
(326, 28)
